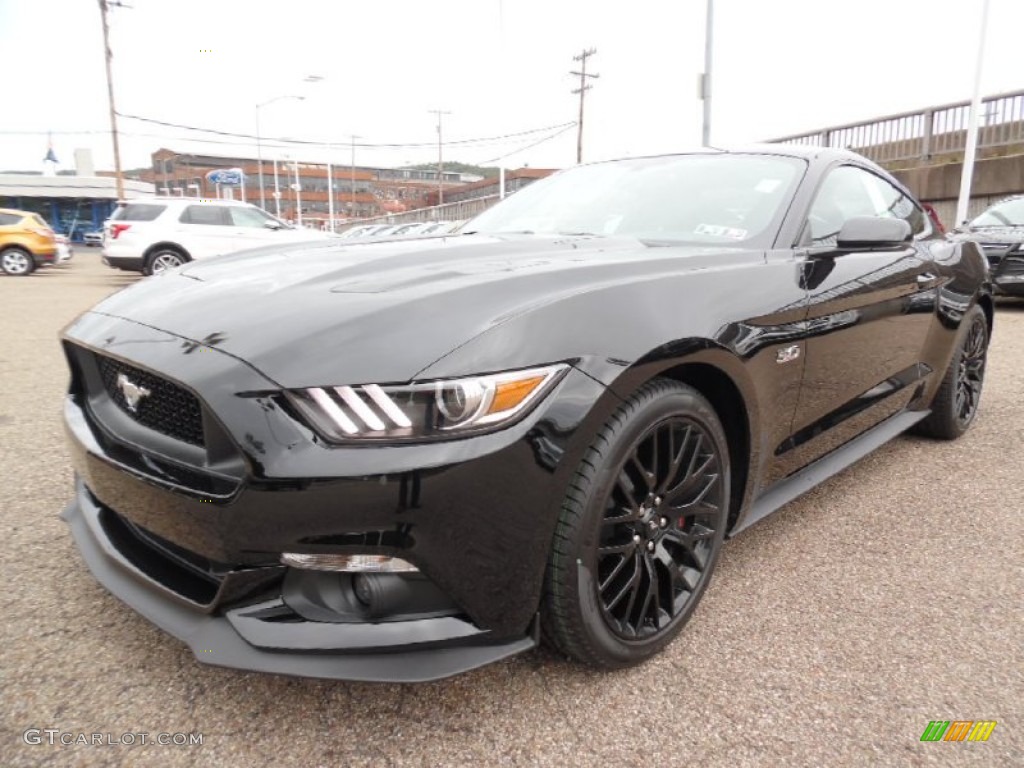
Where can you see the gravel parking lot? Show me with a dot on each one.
(832, 632)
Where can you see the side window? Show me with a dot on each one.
(249, 217)
(849, 191)
(8, 219)
(890, 201)
(204, 214)
(138, 212)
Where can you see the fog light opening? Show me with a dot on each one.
(348, 563)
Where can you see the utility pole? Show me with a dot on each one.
(705, 79)
(104, 8)
(440, 163)
(582, 90)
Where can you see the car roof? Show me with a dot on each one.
(801, 151)
(184, 201)
(16, 211)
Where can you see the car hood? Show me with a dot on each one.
(333, 314)
(1007, 235)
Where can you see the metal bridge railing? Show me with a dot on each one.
(926, 133)
(463, 209)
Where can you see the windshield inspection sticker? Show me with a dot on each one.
(716, 231)
(767, 186)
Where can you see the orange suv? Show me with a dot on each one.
(26, 242)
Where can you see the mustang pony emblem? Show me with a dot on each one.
(132, 392)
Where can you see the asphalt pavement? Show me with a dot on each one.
(832, 633)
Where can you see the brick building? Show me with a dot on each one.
(358, 192)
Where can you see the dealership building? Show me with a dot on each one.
(72, 205)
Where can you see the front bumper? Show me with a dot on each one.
(216, 640)
(130, 263)
(475, 516)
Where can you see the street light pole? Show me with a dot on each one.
(440, 162)
(705, 83)
(259, 143)
(330, 189)
(277, 192)
(971, 148)
(298, 195)
(352, 169)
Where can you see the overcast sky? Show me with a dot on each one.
(498, 66)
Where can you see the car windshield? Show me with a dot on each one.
(1009, 213)
(700, 198)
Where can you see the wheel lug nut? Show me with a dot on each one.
(650, 546)
(636, 538)
(657, 501)
(663, 522)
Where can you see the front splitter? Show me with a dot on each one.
(213, 640)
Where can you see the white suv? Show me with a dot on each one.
(158, 233)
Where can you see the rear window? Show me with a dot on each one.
(138, 212)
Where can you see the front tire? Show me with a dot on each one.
(955, 405)
(163, 259)
(16, 262)
(640, 529)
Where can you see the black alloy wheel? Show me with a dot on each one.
(640, 530)
(971, 371)
(955, 405)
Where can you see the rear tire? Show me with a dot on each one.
(17, 262)
(956, 403)
(163, 259)
(640, 529)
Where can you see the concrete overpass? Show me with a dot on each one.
(925, 150)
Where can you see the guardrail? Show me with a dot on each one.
(463, 209)
(926, 133)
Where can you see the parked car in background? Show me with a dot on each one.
(26, 242)
(1000, 233)
(402, 460)
(64, 249)
(153, 235)
(387, 231)
(93, 239)
(363, 230)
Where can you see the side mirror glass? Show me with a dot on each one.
(273, 225)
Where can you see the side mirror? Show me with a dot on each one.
(273, 225)
(870, 232)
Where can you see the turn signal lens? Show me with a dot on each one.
(509, 394)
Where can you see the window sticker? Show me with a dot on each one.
(733, 233)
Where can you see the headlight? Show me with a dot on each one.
(439, 409)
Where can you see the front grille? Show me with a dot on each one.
(1013, 265)
(166, 408)
(994, 252)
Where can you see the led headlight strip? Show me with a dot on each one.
(430, 409)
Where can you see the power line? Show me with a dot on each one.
(582, 90)
(366, 145)
(555, 135)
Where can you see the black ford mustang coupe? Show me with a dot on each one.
(399, 460)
